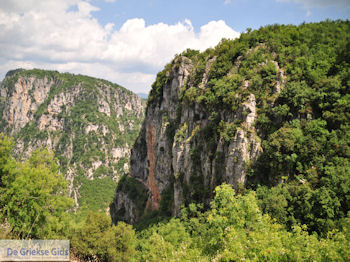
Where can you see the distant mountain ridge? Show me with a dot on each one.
(143, 95)
(90, 123)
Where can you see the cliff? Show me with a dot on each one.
(90, 123)
(239, 113)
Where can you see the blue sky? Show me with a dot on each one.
(238, 14)
(129, 41)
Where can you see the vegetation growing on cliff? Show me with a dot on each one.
(296, 203)
(234, 228)
(296, 206)
(82, 119)
(300, 78)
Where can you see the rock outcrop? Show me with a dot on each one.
(90, 123)
(188, 144)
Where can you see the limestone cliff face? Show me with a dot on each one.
(188, 144)
(90, 123)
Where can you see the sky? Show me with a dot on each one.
(128, 41)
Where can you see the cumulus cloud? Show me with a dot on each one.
(63, 35)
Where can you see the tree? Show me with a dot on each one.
(33, 196)
(6, 145)
(97, 238)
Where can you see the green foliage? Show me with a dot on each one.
(97, 238)
(120, 165)
(300, 77)
(5, 230)
(6, 145)
(75, 118)
(304, 154)
(300, 212)
(190, 95)
(227, 130)
(97, 194)
(222, 93)
(190, 53)
(135, 190)
(156, 95)
(33, 194)
(181, 133)
(166, 201)
(167, 242)
(235, 229)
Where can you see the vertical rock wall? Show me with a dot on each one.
(175, 154)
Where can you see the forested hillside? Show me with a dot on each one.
(90, 124)
(243, 155)
(267, 113)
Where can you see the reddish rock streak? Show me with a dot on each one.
(153, 201)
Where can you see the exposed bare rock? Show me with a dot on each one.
(79, 117)
(22, 99)
(185, 147)
(123, 209)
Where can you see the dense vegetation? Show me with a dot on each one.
(33, 197)
(75, 148)
(303, 174)
(234, 228)
(296, 206)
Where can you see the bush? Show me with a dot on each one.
(97, 238)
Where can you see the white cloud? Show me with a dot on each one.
(85, 8)
(53, 35)
(227, 2)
